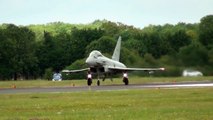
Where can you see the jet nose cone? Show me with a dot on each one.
(88, 61)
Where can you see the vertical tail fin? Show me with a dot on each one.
(116, 54)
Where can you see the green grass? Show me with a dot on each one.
(132, 79)
(147, 104)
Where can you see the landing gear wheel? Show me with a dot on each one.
(126, 81)
(89, 82)
(98, 82)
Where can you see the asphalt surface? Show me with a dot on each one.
(107, 87)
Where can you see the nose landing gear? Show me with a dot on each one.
(98, 82)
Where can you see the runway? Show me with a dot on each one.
(107, 87)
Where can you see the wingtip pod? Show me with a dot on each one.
(65, 71)
(162, 69)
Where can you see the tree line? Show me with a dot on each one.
(34, 51)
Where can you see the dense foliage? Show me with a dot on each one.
(27, 52)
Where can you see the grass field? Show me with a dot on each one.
(132, 79)
(147, 104)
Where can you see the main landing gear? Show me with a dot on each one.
(126, 81)
(89, 81)
(125, 78)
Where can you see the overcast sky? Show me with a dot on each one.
(139, 13)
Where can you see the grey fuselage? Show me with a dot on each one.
(97, 62)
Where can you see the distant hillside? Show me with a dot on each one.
(35, 50)
(59, 27)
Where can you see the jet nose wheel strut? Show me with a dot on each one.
(98, 82)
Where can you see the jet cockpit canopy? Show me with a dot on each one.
(95, 54)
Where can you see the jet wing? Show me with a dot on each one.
(136, 69)
(75, 71)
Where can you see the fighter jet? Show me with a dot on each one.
(99, 64)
